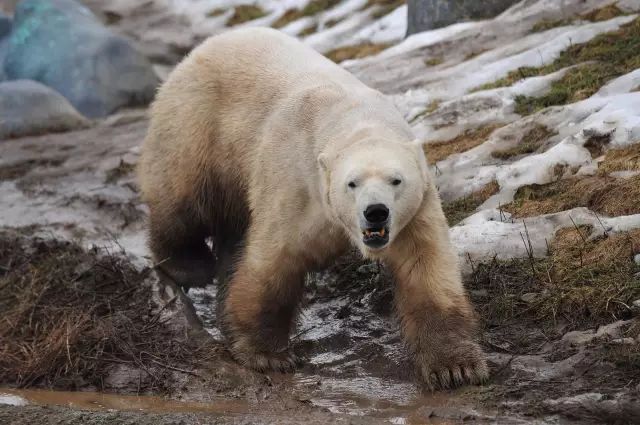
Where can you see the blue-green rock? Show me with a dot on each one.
(61, 44)
(5, 29)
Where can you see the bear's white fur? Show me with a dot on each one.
(258, 141)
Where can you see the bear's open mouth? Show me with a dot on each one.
(375, 237)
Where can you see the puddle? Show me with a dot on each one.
(115, 402)
(423, 410)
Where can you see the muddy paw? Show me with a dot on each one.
(285, 361)
(450, 367)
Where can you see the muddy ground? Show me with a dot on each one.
(80, 187)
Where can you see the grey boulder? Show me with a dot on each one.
(61, 44)
(426, 15)
(29, 108)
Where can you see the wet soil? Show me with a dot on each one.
(80, 186)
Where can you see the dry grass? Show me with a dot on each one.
(605, 195)
(601, 59)
(434, 61)
(458, 210)
(530, 142)
(309, 30)
(625, 159)
(245, 13)
(598, 15)
(437, 151)
(383, 7)
(356, 52)
(582, 283)
(68, 316)
(312, 8)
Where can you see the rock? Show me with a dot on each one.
(61, 44)
(576, 338)
(370, 268)
(529, 297)
(426, 15)
(637, 259)
(5, 29)
(29, 108)
(636, 304)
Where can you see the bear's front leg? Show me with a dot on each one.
(436, 318)
(260, 308)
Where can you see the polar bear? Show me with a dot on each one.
(285, 160)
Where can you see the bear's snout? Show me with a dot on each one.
(377, 214)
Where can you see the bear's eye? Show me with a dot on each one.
(352, 185)
(396, 182)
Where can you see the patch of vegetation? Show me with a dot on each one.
(245, 13)
(358, 51)
(530, 142)
(598, 15)
(383, 7)
(312, 8)
(333, 22)
(437, 151)
(434, 61)
(309, 30)
(67, 316)
(624, 159)
(431, 108)
(458, 210)
(582, 282)
(216, 12)
(601, 59)
(578, 84)
(474, 53)
(122, 170)
(604, 195)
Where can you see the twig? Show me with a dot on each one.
(602, 225)
(578, 229)
(177, 369)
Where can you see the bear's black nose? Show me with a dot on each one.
(376, 213)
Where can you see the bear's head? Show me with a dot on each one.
(374, 189)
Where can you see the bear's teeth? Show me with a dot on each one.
(382, 232)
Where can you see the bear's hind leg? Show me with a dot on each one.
(177, 241)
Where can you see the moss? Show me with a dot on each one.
(356, 52)
(244, 13)
(605, 195)
(437, 151)
(530, 142)
(312, 8)
(434, 61)
(583, 282)
(601, 59)
(458, 210)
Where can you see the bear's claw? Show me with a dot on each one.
(285, 361)
(450, 372)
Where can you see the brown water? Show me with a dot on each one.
(422, 410)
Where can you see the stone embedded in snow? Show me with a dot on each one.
(61, 44)
(30, 108)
